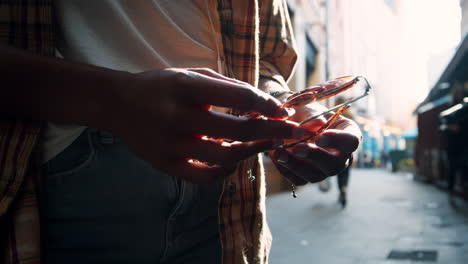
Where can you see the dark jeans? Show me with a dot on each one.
(102, 204)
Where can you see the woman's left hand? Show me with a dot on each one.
(327, 156)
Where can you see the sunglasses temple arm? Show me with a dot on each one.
(330, 121)
(335, 108)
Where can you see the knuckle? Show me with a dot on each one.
(181, 76)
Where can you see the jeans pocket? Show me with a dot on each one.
(75, 157)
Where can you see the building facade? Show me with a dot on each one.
(441, 148)
(366, 38)
(464, 20)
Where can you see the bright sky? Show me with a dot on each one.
(435, 22)
(432, 30)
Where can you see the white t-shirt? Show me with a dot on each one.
(133, 36)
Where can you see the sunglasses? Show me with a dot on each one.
(353, 88)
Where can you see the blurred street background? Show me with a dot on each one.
(414, 156)
(386, 212)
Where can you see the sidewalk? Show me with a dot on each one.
(385, 212)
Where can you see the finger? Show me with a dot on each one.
(195, 172)
(338, 139)
(291, 177)
(215, 152)
(300, 168)
(220, 125)
(348, 125)
(329, 162)
(201, 89)
(214, 74)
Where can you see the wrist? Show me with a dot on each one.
(111, 100)
(282, 95)
(274, 89)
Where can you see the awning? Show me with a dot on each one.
(456, 69)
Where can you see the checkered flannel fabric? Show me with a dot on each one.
(25, 24)
(258, 41)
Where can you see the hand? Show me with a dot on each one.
(327, 156)
(163, 115)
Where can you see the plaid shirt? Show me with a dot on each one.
(257, 40)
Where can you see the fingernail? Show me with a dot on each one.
(283, 157)
(299, 132)
(322, 141)
(277, 143)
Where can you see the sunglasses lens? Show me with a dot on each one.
(348, 88)
(350, 92)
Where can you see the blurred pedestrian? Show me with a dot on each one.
(343, 177)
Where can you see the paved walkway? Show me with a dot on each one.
(385, 212)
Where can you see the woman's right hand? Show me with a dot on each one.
(163, 114)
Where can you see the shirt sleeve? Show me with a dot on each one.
(278, 54)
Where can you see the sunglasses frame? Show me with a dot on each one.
(340, 109)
